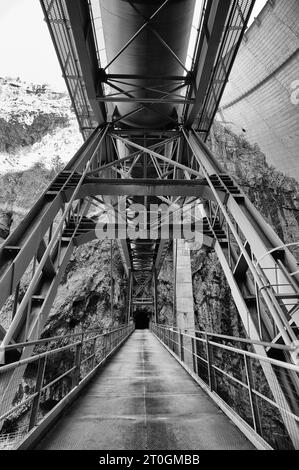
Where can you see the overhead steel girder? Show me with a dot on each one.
(80, 23)
(91, 230)
(144, 187)
(116, 99)
(176, 78)
(224, 26)
(62, 35)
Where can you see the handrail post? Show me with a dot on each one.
(108, 343)
(38, 389)
(209, 359)
(78, 357)
(94, 353)
(194, 354)
(254, 407)
(105, 344)
(182, 345)
(155, 295)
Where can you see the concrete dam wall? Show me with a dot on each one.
(261, 99)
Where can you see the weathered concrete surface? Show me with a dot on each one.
(184, 290)
(184, 311)
(145, 400)
(261, 97)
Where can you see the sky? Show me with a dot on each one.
(257, 8)
(26, 49)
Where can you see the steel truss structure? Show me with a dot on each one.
(126, 161)
(261, 272)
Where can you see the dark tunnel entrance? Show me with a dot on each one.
(141, 318)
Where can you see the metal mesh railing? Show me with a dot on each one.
(260, 390)
(57, 366)
(233, 34)
(56, 16)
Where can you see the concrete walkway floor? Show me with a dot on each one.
(143, 399)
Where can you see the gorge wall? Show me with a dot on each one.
(273, 193)
(38, 135)
(83, 298)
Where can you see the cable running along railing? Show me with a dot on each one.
(229, 370)
(57, 367)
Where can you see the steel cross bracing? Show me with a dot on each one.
(175, 170)
(189, 96)
(128, 160)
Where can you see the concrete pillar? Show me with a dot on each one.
(184, 295)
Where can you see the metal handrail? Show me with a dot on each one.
(110, 341)
(55, 338)
(206, 360)
(238, 339)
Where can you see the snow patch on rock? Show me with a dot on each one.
(20, 105)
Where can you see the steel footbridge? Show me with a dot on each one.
(146, 79)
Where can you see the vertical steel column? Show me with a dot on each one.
(111, 279)
(209, 359)
(194, 355)
(155, 296)
(105, 345)
(130, 295)
(94, 345)
(182, 346)
(174, 279)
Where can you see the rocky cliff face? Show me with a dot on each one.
(166, 291)
(36, 125)
(38, 135)
(275, 195)
(83, 300)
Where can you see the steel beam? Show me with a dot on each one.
(155, 287)
(262, 241)
(118, 99)
(174, 78)
(144, 187)
(78, 12)
(215, 19)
